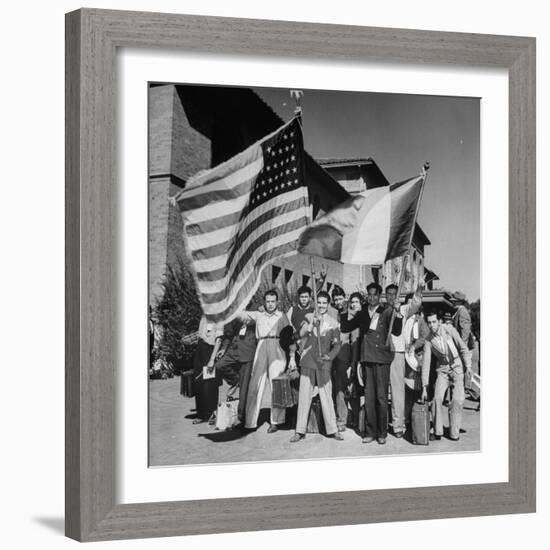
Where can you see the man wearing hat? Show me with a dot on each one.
(462, 322)
(448, 318)
(461, 319)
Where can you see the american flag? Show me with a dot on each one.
(241, 215)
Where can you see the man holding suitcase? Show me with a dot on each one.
(452, 357)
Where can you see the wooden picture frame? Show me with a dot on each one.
(92, 39)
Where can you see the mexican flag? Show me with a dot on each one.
(369, 228)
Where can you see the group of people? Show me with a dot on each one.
(346, 351)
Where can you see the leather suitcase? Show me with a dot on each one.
(420, 424)
(315, 422)
(282, 394)
(186, 384)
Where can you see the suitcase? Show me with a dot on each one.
(227, 414)
(282, 394)
(420, 423)
(186, 384)
(315, 422)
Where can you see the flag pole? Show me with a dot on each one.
(297, 94)
(315, 304)
(407, 256)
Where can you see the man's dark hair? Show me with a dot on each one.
(391, 287)
(323, 294)
(338, 291)
(304, 290)
(356, 295)
(432, 313)
(376, 286)
(271, 292)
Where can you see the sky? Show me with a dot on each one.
(401, 132)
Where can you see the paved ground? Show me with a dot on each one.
(174, 439)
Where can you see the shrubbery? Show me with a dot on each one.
(177, 315)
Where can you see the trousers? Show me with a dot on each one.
(339, 385)
(397, 384)
(449, 376)
(377, 378)
(269, 362)
(308, 380)
(234, 371)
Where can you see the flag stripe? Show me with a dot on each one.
(249, 285)
(212, 233)
(225, 255)
(218, 281)
(241, 185)
(216, 210)
(209, 199)
(245, 296)
(253, 163)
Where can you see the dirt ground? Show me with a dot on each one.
(175, 440)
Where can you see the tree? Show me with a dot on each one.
(177, 313)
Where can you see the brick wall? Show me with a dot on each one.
(191, 150)
(158, 233)
(161, 110)
(176, 152)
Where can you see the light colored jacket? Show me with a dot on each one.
(397, 343)
(448, 349)
(462, 321)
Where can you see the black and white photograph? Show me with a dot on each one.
(314, 274)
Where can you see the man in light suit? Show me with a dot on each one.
(452, 357)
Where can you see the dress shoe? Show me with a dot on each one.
(272, 429)
(367, 439)
(434, 437)
(399, 435)
(341, 428)
(454, 438)
(381, 440)
(338, 436)
(297, 437)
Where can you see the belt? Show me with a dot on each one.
(268, 338)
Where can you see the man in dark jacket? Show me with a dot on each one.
(375, 356)
(236, 356)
